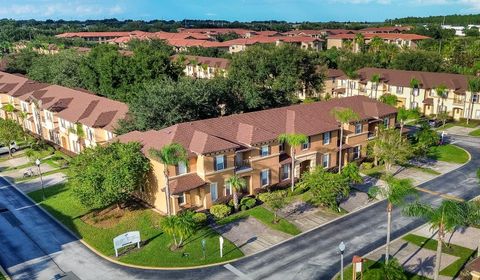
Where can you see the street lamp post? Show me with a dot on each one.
(37, 162)
(341, 246)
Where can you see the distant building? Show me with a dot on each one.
(400, 39)
(460, 30)
(203, 67)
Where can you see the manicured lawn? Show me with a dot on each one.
(62, 204)
(18, 180)
(475, 133)
(375, 172)
(370, 265)
(448, 153)
(266, 217)
(453, 269)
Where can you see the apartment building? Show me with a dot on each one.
(340, 41)
(203, 67)
(101, 37)
(386, 29)
(459, 102)
(308, 43)
(246, 145)
(71, 119)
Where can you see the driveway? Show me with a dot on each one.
(311, 255)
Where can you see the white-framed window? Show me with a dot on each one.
(326, 160)
(285, 171)
(48, 116)
(386, 122)
(416, 91)
(326, 137)
(414, 105)
(75, 146)
(374, 86)
(475, 98)
(281, 147)
(306, 145)
(24, 106)
(181, 199)
(358, 128)
(352, 84)
(109, 135)
(62, 123)
(90, 134)
(219, 162)
(264, 151)
(228, 189)
(265, 177)
(357, 152)
(213, 191)
(182, 168)
(399, 90)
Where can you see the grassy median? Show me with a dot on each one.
(448, 153)
(155, 251)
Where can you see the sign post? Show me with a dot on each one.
(204, 243)
(357, 263)
(126, 239)
(220, 239)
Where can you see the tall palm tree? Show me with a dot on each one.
(442, 94)
(169, 155)
(396, 191)
(474, 88)
(375, 80)
(8, 109)
(360, 41)
(473, 217)
(352, 75)
(343, 116)
(402, 116)
(293, 140)
(444, 218)
(238, 184)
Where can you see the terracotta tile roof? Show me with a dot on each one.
(250, 129)
(214, 62)
(385, 36)
(185, 183)
(385, 29)
(99, 34)
(215, 31)
(334, 73)
(428, 80)
(270, 40)
(266, 33)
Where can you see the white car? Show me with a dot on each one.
(4, 149)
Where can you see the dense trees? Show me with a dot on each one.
(10, 132)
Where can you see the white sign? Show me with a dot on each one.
(126, 239)
(358, 267)
(221, 246)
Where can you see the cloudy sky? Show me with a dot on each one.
(243, 10)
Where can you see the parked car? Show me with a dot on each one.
(4, 149)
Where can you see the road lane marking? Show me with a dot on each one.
(237, 272)
(28, 206)
(447, 196)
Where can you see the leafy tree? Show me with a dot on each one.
(396, 191)
(390, 147)
(389, 99)
(402, 116)
(443, 117)
(351, 172)
(293, 140)
(375, 80)
(417, 60)
(21, 62)
(442, 93)
(10, 132)
(9, 109)
(238, 184)
(344, 116)
(327, 188)
(169, 155)
(108, 174)
(179, 227)
(474, 88)
(444, 218)
(276, 201)
(425, 138)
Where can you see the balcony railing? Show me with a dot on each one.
(242, 165)
(371, 135)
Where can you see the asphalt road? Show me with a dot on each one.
(34, 246)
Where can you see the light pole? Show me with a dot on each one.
(341, 246)
(37, 162)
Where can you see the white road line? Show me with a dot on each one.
(4, 187)
(237, 272)
(28, 206)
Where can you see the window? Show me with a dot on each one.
(306, 145)
(219, 162)
(374, 86)
(285, 171)
(416, 91)
(358, 128)
(264, 177)
(181, 168)
(264, 151)
(213, 191)
(281, 147)
(475, 98)
(414, 105)
(356, 152)
(62, 123)
(399, 90)
(386, 122)
(90, 134)
(477, 114)
(326, 160)
(181, 199)
(228, 189)
(24, 107)
(109, 135)
(326, 138)
(352, 85)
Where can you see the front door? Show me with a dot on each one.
(304, 167)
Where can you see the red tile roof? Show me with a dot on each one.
(99, 34)
(185, 183)
(385, 29)
(385, 36)
(215, 62)
(250, 129)
(215, 31)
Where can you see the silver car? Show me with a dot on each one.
(4, 149)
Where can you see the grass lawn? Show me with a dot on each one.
(18, 180)
(155, 251)
(266, 217)
(374, 265)
(453, 269)
(375, 172)
(448, 153)
(475, 133)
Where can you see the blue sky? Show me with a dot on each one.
(242, 10)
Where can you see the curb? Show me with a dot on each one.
(4, 273)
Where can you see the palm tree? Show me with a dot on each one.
(402, 116)
(442, 94)
(238, 184)
(474, 88)
(375, 80)
(169, 155)
(343, 116)
(179, 227)
(80, 134)
(23, 116)
(444, 218)
(293, 140)
(396, 191)
(9, 109)
(352, 75)
(360, 41)
(473, 217)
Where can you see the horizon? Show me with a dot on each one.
(291, 11)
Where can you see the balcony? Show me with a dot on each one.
(458, 101)
(371, 135)
(243, 166)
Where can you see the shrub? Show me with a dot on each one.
(352, 173)
(248, 202)
(243, 207)
(220, 211)
(366, 165)
(299, 189)
(263, 196)
(200, 218)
